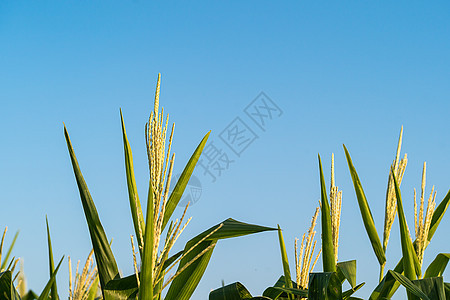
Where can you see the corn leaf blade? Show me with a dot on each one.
(54, 290)
(146, 287)
(135, 204)
(328, 258)
(366, 214)
(433, 287)
(347, 270)
(346, 295)
(48, 286)
(106, 263)
(234, 291)
(408, 252)
(438, 265)
(185, 283)
(410, 287)
(284, 260)
(8, 253)
(7, 290)
(438, 214)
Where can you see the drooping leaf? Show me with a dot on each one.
(438, 265)
(185, 283)
(182, 182)
(54, 290)
(366, 214)
(106, 264)
(347, 270)
(410, 287)
(135, 204)
(48, 286)
(328, 258)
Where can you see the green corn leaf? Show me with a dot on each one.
(121, 288)
(30, 296)
(284, 259)
(347, 270)
(366, 214)
(7, 290)
(234, 291)
(274, 293)
(438, 265)
(346, 295)
(146, 287)
(328, 258)
(48, 286)
(281, 292)
(171, 260)
(54, 290)
(410, 287)
(106, 264)
(182, 182)
(93, 289)
(135, 204)
(447, 290)
(185, 283)
(432, 287)
(8, 253)
(408, 252)
(438, 214)
(387, 288)
(324, 286)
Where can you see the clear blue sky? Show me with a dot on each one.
(345, 72)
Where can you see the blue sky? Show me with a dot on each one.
(345, 72)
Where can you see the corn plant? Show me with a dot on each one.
(325, 285)
(9, 292)
(408, 271)
(155, 258)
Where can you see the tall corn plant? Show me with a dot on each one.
(408, 271)
(156, 259)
